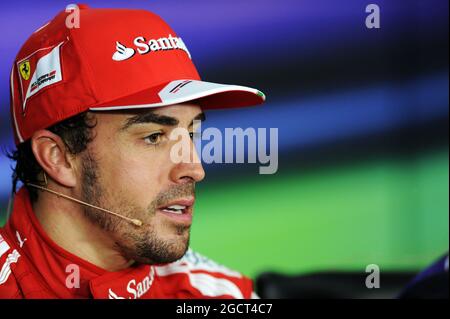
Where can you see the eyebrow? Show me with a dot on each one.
(152, 117)
(199, 117)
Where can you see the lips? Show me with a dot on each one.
(175, 209)
(179, 210)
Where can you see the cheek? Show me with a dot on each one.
(139, 176)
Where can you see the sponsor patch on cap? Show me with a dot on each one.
(38, 71)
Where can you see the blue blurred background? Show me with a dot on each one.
(363, 128)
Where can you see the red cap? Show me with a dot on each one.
(116, 59)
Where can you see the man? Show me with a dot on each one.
(105, 211)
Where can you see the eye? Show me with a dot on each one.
(195, 135)
(154, 138)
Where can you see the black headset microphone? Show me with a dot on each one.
(135, 222)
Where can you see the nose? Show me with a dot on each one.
(190, 171)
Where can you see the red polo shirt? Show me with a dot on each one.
(33, 266)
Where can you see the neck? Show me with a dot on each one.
(65, 223)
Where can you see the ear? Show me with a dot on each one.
(52, 155)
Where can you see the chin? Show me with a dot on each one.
(169, 257)
(165, 251)
(177, 250)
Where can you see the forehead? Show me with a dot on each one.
(184, 113)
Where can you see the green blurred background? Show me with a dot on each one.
(391, 212)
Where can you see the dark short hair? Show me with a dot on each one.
(76, 133)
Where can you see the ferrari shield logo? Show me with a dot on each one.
(24, 69)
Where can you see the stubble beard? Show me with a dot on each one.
(140, 244)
